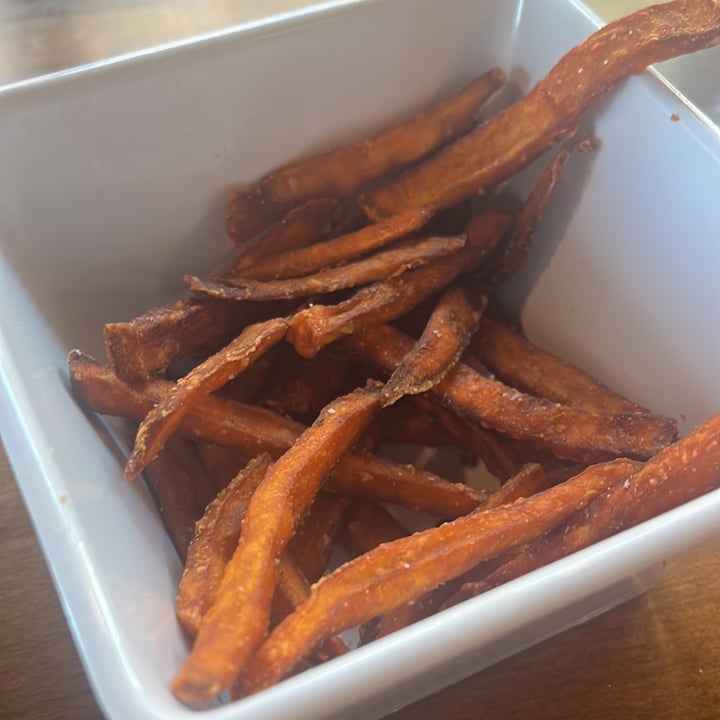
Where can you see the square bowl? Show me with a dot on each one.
(113, 182)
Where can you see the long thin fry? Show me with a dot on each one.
(257, 430)
(397, 572)
(525, 366)
(314, 327)
(341, 173)
(512, 139)
(181, 489)
(214, 541)
(452, 323)
(685, 470)
(343, 249)
(389, 263)
(308, 223)
(150, 343)
(205, 378)
(515, 249)
(237, 623)
(571, 433)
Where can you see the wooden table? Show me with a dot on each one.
(658, 656)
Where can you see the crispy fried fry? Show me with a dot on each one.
(181, 489)
(238, 621)
(213, 543)
(314, 327)
(210, 375)
(514, 250)
(571, 433)
(367, 525)
(523, 365)
(447, 333)
(149, 344)
(389, 263)
(341, 173)
(528, 480)
(308, 223)
(257, 430)
(683, 471)
(339, 250)
(397, 572)
(313, 542)
(512, 139)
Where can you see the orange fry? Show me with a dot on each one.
(528, 480)
(571, 433)
(366, 525)
(258, 430)
(205, 378)
(181, 488)
(525, 366)
(214, 541)
(512, 139)
(389, 263)
(339, 250)
(237, 622)
(314, 327)
(341, 173)
(308, 223)
(399, 571)
(683, 471)
(515, 249)
(150, 343)
(444, 339)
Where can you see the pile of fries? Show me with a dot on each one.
(359, 314)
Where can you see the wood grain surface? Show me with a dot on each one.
(657, 656)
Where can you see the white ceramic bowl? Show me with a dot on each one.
(112, 185)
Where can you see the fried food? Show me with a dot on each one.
(149, 344)
(238, 620)
(515, 248)
(341, 173)
(397, 572)
(214, 540)
(390, 263)
(343, 249)
(452, 323)
(525, 366)
(308, 223)
(516, 136)
(571, 433)
(315, 327)
(213, 373)
(257, 430)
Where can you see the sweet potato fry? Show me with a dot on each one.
(308, 223)
(237, 622)
(444, 339)
(512, 139)
(525, 366)
(366, 525)
(314, 327)
(528, 480)
(181, 489)
(389, 263)
(258, 430)
(571, 433)
(313, 541)
(683, 471)
(150, 343)
(341, 173)
(397, 572)
(343, 249)
(511, 255)
(210, 375)
(213, 543)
